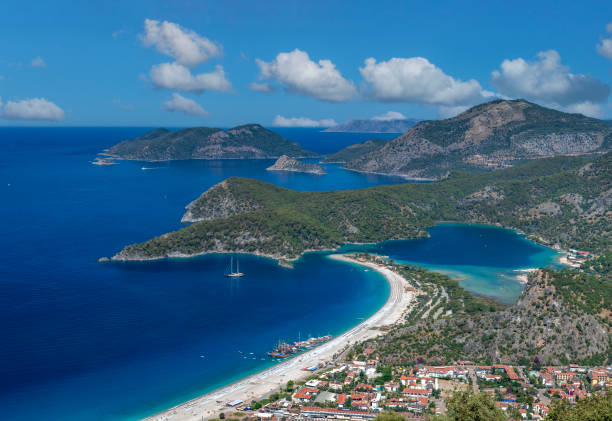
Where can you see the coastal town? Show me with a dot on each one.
(361, 389)
(359, 385)
(344, 379)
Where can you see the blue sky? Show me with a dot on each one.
(193, 63)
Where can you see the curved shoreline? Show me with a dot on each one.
(264, 382)
(281, 258)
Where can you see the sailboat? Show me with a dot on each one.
(233, 274)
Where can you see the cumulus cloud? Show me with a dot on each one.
(184, 45)
(184, 105)
(32, 109)
(178, 77)
(38, 62)
(417, 80)
(390, 115)
(547, 81)
(586, 108)
(262, 87)
(280, 121)
(297, 73)
(604, 48)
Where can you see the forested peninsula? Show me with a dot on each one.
(564, 201)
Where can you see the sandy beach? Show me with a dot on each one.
(264, 382)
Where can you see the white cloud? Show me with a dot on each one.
(586, 108)
(184, 45)
(297, 73)
(605, 47)
(547, 81)
(280, 121)
(184, 105)
(417, 80)
(390, 115)
(262, 87)
(32, 109)
(178, 77)
(38, 62)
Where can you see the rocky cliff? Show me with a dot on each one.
(489, 136)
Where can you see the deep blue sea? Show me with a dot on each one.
(82, 340)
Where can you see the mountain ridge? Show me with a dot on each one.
(489, 136)
(248, 141)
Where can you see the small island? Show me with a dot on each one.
(284, 163)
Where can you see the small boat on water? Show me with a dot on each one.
(237, 273)
(283, 349)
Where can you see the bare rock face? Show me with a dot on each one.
(284, 163)
(489, 136)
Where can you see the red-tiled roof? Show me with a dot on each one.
(415, 391)
(334, 411)
(305, 393)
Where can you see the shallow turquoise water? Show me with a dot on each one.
(485, 259)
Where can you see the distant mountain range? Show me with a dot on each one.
(250, 141)
(493, 135)
(374, 126)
